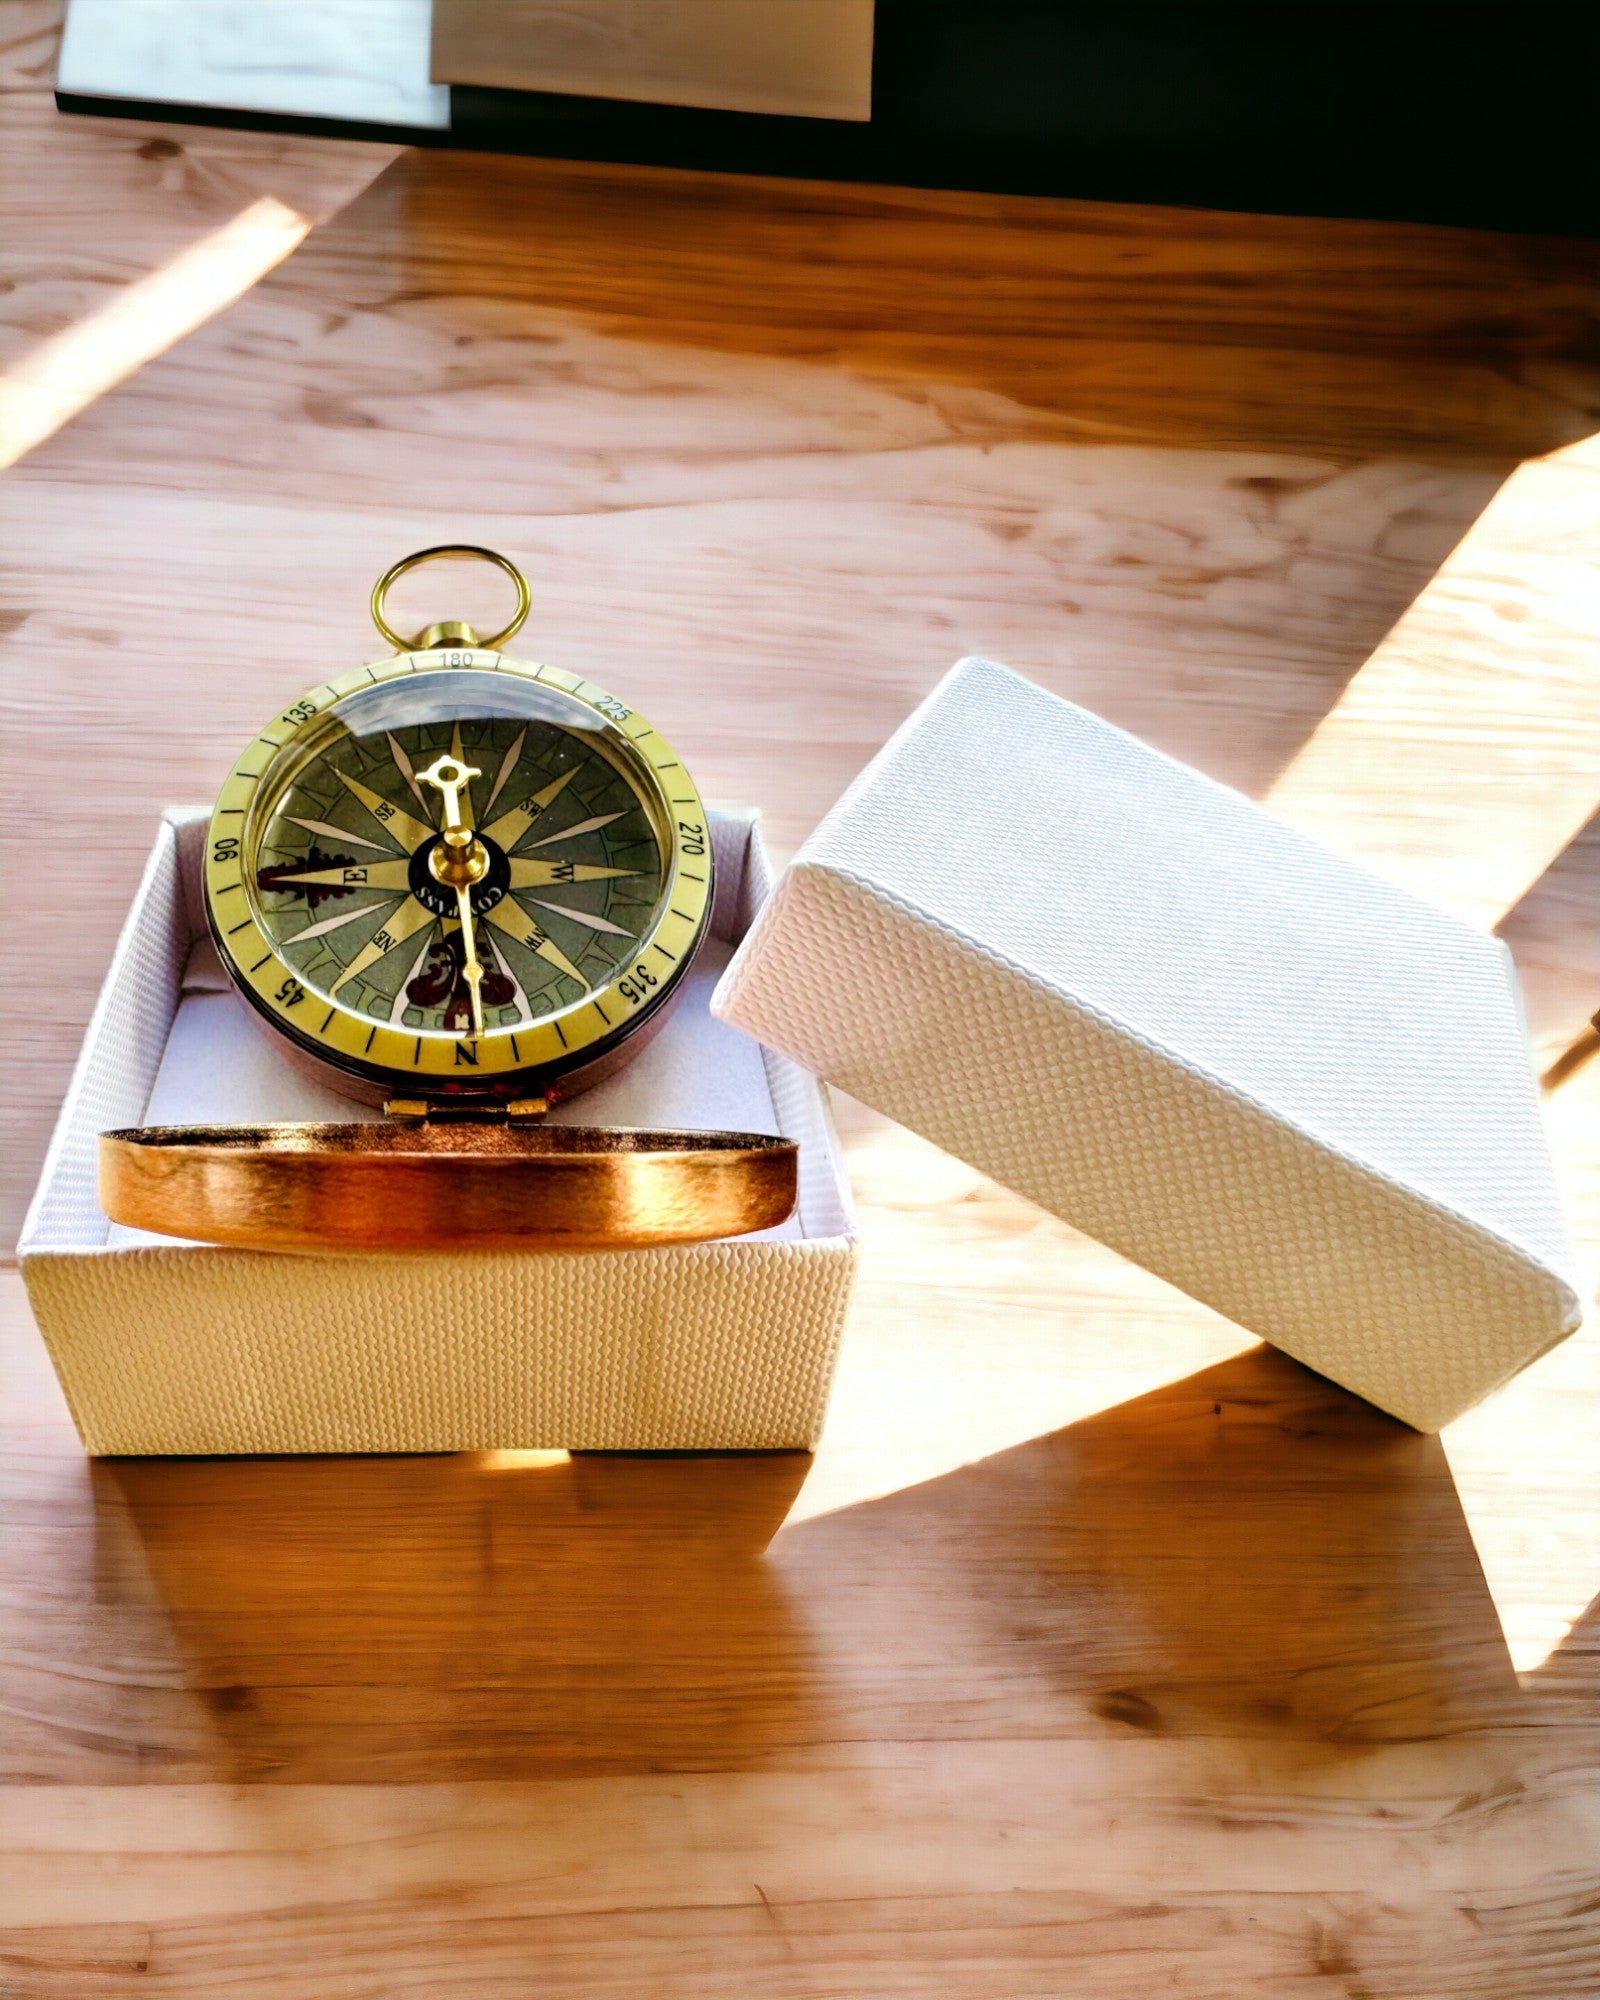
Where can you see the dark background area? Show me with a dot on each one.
(1427, 110)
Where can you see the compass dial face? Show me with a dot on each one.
(346, 893)
(333, 903)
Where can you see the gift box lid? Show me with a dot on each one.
(1295, 1091)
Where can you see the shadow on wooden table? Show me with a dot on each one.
(481, 1615)
(1248, 1553)
(1571, 1675)
(1552, 934)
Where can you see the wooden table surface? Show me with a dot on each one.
(1099, 1652)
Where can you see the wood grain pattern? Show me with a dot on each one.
(1098, 1651)
(787, 58)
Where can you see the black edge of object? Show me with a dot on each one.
(75, 104)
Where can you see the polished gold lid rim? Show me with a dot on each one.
(370, 1187)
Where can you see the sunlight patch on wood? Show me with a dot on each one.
(63, 375)
(1465, 754)
(521, 1461)
(1530, 1488)
(1029, 1329)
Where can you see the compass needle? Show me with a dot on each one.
(466, 789)
(471, 965)
(459, 860)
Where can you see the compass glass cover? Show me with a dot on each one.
(341, 837)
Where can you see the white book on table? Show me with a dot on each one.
(359, 62)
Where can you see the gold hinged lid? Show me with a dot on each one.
(430, 1184)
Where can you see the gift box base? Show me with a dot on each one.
(170, 1347)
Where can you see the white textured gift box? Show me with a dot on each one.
(175, 1347)
(1126, 992)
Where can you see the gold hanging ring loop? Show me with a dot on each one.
(469, 551)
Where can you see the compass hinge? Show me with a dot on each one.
(450, 632)
(419, 1110)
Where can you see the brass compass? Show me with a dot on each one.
(458, 874)
(459, 884)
